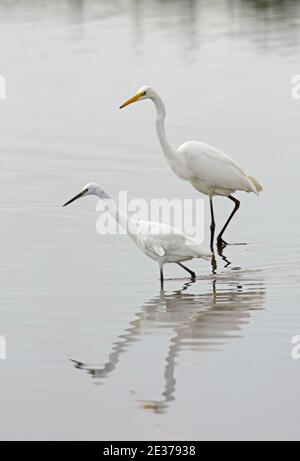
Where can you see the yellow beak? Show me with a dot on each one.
(131, 100)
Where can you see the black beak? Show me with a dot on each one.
(75, 198)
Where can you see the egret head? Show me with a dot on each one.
(89, 189)
(146, 92)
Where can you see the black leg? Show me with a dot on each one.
(220, 241)
(161, 276)
(220, 253)
(193, 275)
(213, 263)
(212, 224)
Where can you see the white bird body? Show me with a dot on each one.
(160, 242)
(213, 172)
(164, 243)
(208, 169)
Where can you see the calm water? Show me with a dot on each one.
(95, 350)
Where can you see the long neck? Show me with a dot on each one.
(126, 222)
(129, 224)
(168, 150)
(121, 218)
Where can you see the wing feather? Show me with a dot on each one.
(215, 168)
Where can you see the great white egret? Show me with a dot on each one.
(208, 169)
(161, 242)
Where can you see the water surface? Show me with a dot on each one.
(95, 349)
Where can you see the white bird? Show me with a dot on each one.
(161, 242)
(208, 169)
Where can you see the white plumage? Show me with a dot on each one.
(213, 172)
(164, 243)
(160, 242)
(208, 169)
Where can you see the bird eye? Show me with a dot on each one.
(144, 93)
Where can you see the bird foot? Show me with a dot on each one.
(221, 243)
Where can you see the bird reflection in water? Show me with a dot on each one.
(201, 322)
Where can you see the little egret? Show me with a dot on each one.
(161, 242)
(208, 169)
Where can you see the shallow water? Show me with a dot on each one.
(95, 350)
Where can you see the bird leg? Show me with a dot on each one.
(220, 253)
(213, 264)
(161, 277)
(220, 242)
(212, 224)
(193, 275)
(212, 235)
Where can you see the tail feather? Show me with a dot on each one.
(256, 184)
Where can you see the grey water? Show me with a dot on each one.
(95, 349)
